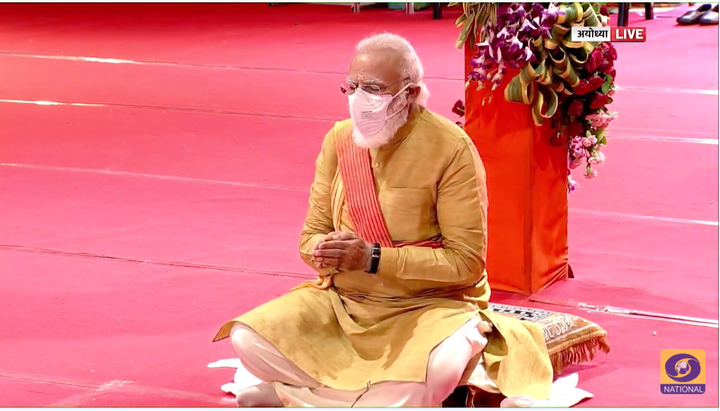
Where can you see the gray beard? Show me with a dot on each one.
(392, 125)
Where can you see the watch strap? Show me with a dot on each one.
(374, 259)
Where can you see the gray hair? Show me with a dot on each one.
(411, 65)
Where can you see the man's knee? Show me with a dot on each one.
(449, 361)
(243, 341)
(264, 361)
(442, 379)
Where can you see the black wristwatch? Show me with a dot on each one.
(374, 259)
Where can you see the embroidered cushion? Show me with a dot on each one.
(569, 339)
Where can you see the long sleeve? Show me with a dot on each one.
(462, 217)
(318, 221)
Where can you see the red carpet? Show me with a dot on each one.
(133, 227)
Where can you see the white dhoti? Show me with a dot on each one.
(265, 377)
(264, 364)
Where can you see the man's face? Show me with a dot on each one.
(376, 73)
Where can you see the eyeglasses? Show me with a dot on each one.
(348, 87)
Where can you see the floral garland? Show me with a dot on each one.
(568, 83)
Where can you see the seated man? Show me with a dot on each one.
(396, 230)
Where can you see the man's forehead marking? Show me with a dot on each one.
(362, 77)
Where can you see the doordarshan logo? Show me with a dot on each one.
(683, 372)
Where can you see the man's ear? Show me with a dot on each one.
(413, 92)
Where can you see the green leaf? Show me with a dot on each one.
(605, 88)
(601, 137)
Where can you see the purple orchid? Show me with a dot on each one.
(529, 56)
(508, 43)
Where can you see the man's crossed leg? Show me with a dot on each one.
(276, 381)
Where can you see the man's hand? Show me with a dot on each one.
(343, 251)
(318, 262)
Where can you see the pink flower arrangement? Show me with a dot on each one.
(586, 116)
(600, 120)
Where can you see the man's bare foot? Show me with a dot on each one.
(262, 395)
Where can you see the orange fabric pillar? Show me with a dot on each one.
(527, 191)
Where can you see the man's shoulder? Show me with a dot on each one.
(442, 130)
(339, 129)
(446, 140)
(343, 123)
(342, 126)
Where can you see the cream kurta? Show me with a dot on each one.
(373, 328)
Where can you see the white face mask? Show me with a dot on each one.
(369, 112)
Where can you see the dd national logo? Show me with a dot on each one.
(683, 372)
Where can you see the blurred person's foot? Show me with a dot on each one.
(693, 16)
(709, 17)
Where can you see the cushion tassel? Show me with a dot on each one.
(579, 353)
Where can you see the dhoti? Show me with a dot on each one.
(264, 364)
